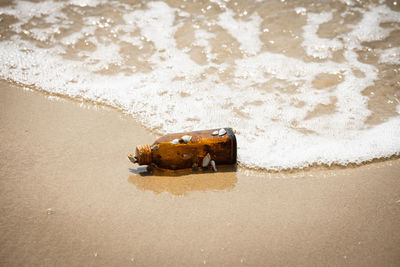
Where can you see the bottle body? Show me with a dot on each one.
(190, 150)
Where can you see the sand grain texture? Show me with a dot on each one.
(72, 160)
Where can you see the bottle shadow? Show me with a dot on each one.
(181, 182)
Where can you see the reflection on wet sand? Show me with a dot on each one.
(181, 182)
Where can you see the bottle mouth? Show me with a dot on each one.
(132, 158)
(142, 155)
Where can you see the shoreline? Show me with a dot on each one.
(70, 196)
(97, 105)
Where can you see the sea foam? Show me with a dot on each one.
(295, 91)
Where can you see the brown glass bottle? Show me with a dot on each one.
(205, 149)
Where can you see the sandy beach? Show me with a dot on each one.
(70, 197)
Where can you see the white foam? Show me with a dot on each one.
(26, 10)
(390, 56)
(87, 3)
(246, 32)
(348, 2)
(155, 23)
(369, 28)
(269, 98)
(301, 10)
(315, 46)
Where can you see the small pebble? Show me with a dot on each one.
(50, 211)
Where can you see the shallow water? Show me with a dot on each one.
(301, 82)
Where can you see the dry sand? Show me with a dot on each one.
(70, 197)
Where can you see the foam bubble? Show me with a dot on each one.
(301, 10)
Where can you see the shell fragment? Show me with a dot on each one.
(206, 160)
(175, 141)
(186, 138)
(213, 166)
(221, 132)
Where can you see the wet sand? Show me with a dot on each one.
(70, 197)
